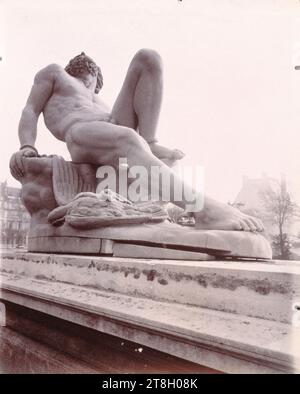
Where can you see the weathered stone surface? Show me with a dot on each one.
(223, 341)
(266, 290)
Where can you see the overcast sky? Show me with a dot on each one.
(231, 98)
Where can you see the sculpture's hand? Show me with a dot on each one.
(16, 163)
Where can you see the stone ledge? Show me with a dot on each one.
(89, 350)
(223, 341)
(266, 290)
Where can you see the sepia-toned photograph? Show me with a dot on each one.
(149, 189)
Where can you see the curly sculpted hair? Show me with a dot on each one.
(82, 63)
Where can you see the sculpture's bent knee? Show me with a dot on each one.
(149, 59)
(128, 141)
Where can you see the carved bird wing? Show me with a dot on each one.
(68, 182)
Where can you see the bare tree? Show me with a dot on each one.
(280, 209)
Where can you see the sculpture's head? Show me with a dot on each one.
(84, 64)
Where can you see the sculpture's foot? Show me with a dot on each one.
(218, 216)
(166, 153)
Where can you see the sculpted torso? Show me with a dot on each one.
(69, 103)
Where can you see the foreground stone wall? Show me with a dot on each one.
(33, 342)
(228, 316)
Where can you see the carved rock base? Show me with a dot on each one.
(170, 236)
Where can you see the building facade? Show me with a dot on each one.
(14, 218)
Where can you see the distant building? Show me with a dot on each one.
(14, 218)
(250, 200)
(250, 196)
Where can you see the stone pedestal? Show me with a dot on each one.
(227, 316)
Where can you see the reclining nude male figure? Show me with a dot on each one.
(95, 134)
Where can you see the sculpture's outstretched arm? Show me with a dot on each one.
(38, 97)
